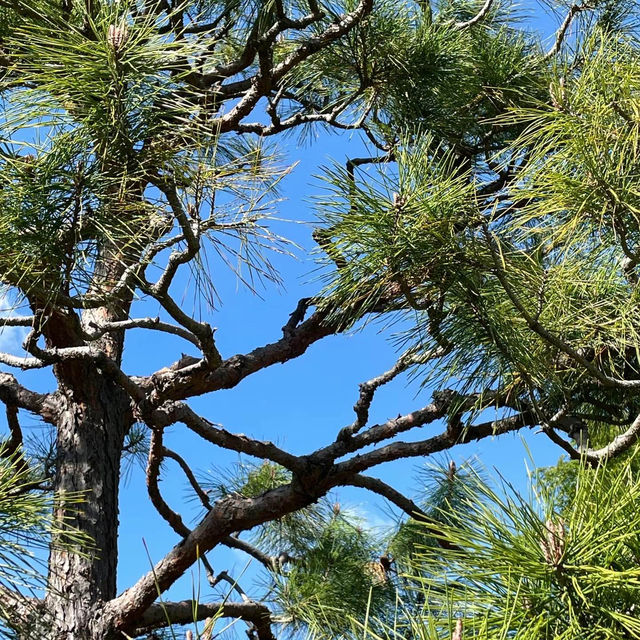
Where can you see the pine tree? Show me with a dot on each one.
(496, 215)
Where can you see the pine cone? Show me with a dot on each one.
(117, 37)
(554, 543)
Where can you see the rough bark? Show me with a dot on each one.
(94, 417)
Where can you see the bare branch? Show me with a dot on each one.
(42, 404)
(204, 498)
(386, 491)
(153, 472)
(91, 353)
(224, 576)
(618, 445)
(238, 513)
(17, 321)
(171, 413)
(141, 323)
(368, 390)
(158, 615)
(15, 439)
(594, 457)
(454, 435)
(574, 10)
(23, 362)
(229, 514)
(238, 367)
(486, 7)
(379, 432)
(402, 502)
(296, 316)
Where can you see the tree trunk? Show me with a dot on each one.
(95, 416)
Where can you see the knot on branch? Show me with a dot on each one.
(296, 317)
(311, 479)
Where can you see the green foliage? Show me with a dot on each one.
(336, 579)
(326, 565)
(515, 568)
(549, 566)
(510, 249)
(103, 110)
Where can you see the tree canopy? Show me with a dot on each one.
(495, 217)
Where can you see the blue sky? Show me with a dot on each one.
(299, 405)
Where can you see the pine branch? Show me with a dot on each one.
(484, 11)
(159, 616)
(42, 404)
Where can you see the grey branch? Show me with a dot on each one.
(158, 615)
(141, 323)
(17, 321)
(561, 34)
(13, 393)
(481, 15)
(22, 362)
(173, 412)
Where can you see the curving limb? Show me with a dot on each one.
(409, 507)
(369, 388)
(375, 485)
(234, 542)
(173, 412)
(190, 611)
(14, 394)
(99, 329)
(619, 445)
(561, 34)
(481, 15)
(455, 434)
(314, 476)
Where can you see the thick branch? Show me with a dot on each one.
(180, 412)
(229, 514)
(17, 321)
(21, 611)
(158, 615)
(42, 404)
(238, 367)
